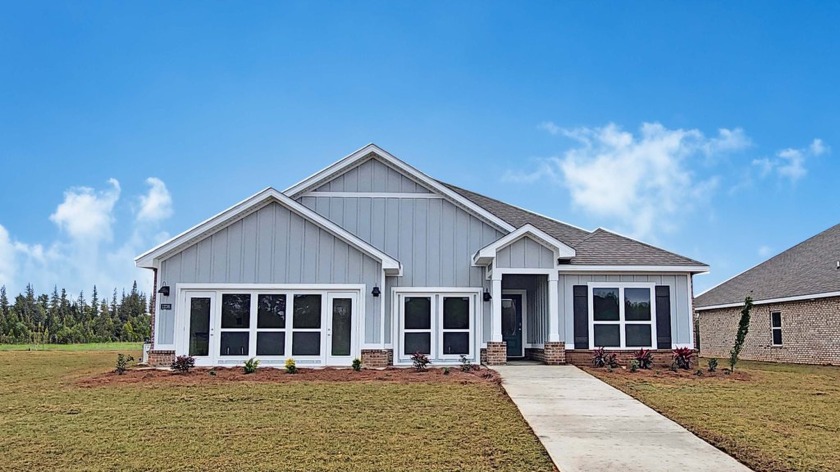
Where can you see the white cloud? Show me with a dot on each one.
(550, 127)
(86, 214)
(640, 181)
(85, 251)
(790, 163)
(156, 205)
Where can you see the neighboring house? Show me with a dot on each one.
(796, 317)
(371, 258)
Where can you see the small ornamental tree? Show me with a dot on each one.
(743, 329)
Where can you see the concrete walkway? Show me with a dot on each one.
(588, 425)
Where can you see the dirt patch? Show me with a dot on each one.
(219, 375)
(657, 373)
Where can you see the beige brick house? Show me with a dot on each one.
(797, 306)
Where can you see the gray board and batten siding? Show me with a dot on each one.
(272, 245)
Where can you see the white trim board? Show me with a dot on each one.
(360, 156)
(770, 300)
(633, 268)
(151, 259)
(487, 254)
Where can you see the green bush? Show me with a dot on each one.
(634, 365)
(357, 364)
(602, 358)
(291, 368)
(446, 371)
(251, 365)
(466, 364)
(122, 363)
(712, 364)
(420, 361)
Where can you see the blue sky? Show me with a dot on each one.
(703, 127)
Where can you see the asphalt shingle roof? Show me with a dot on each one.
(809, 268)
(599, 247)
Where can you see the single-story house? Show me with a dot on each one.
(796, 314)
(371, 258)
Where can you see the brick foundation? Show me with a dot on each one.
(535, 354)
(583, 357)
(377, 358)
(496, 353)
(161, 358)
(554, 353)
(810, 332)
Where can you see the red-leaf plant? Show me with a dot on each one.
(683, 356)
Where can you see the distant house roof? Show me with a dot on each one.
(807, 270)
(600, 248)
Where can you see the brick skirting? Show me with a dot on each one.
(535, 354)
(377, 358)
(496, 353)
(583, 357)
(554, 353)
(161, 358)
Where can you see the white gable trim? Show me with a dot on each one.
(151, 259)
(487, 254)
(356, 158)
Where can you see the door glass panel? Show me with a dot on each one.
(418, 313)
(637, 304)
(418, 342)
(637, 335)
(199, 326)
(509, 322)
(605, 304)
(341, 326)
(236, 310)
(234, 343)
(607, 335)
(307, 312)
(456, 313)
(306, 343)
(271, 311)
(271, 343)
(456, 343)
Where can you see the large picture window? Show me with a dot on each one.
(440, 325)
(622, 315)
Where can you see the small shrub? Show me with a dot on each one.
(122, 363)
(420, 361)
(183, 363)
(291, 368)
(712, 364)
(446, 371)
(634, 365)
(683, 356)
(251, 365)
(466, 364)
(357, 364)
(644, 357)
(602, 358)
(698, 372)
(212, 373)
(674, 366)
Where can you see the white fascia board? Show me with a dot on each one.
(150, 258)
(487, 253)
(797, 298)
(353, 159)
(633, 268)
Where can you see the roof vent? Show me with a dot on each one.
(838, 265)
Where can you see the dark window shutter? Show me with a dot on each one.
(581, 313)
(663, 317)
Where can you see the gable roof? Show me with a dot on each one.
(151, 259)
(807, 270)
(486, 254)
(372, 150)
(600, 248)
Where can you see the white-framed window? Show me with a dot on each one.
(622, 315)
(438, 324)
(776, 327)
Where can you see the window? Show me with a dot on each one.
(236, 324)
(439, 325)
(271, 325)
(306, 325)
(776, 327)
(622, 315)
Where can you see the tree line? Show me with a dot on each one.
(58, 319)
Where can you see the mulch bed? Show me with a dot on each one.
(665, 373)
(219, 375)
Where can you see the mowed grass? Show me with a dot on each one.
(785, 417)
(50, 422)
(73, 347)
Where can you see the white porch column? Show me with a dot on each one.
(553, 309)
(496, 312)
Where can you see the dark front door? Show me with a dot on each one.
(512, 324)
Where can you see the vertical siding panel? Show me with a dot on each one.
(448, 243)
(393, 182)
(351, 180)
(322, 206)
(434, 231)
(309, 202)
(531, 252)
(249, 247)
(342, 260)
(204, 260)
(364, 215)
(365, 172)
(377, 222)
(234, 272)
(336, 214)
(280, 244)
(311, 252)
(406, 225)
(265, 244)
(420, 238)
(326, 254)
(380, 176)
(351, 214)
(219, 272)
(294, 261)
(189, 259)
(392, 218)
(462, 248)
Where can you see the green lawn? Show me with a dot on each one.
(49, 421)
(783, 417)
(73, 347)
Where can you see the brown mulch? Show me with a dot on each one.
(666, 373)
(219, 375)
